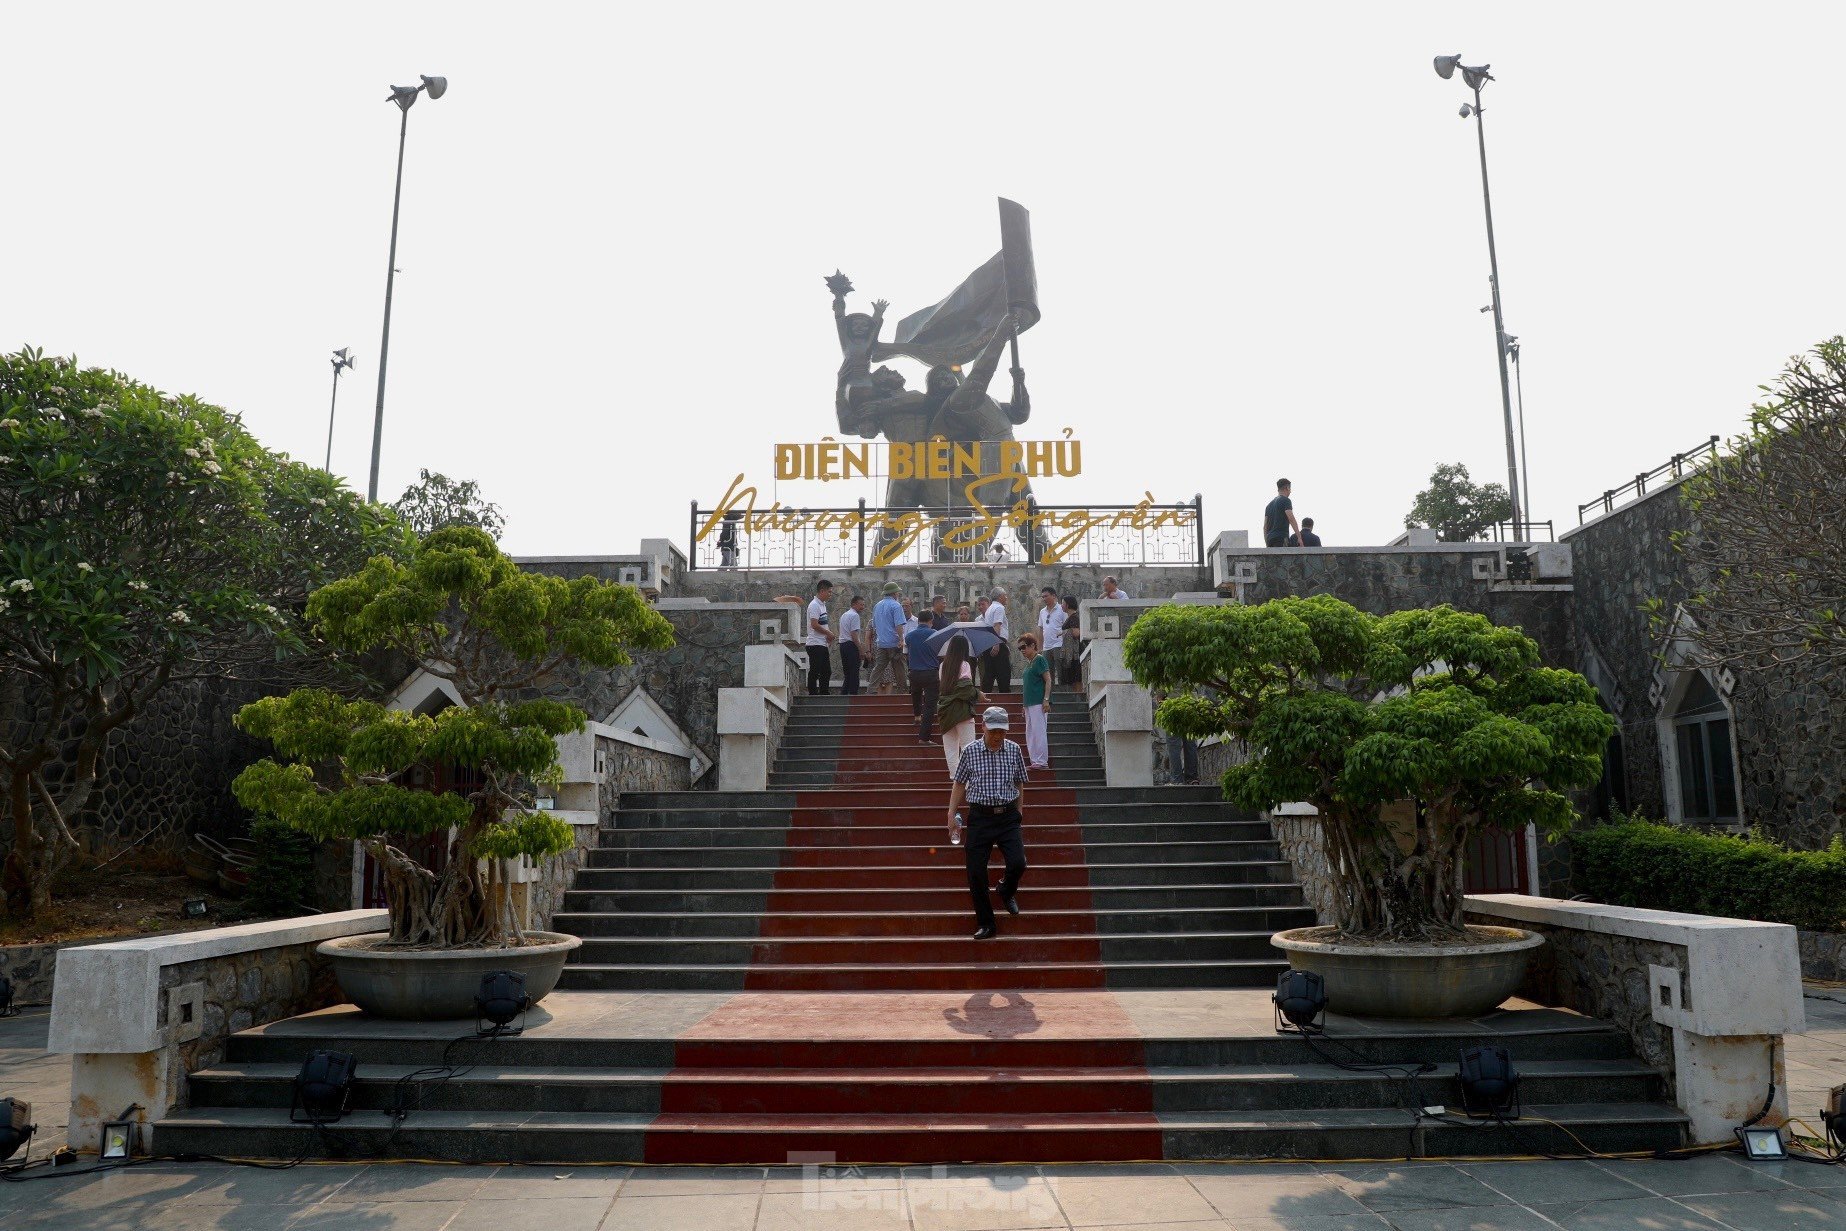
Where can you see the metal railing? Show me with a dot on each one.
(835, 538)
(1637, 487)
(1518, 532)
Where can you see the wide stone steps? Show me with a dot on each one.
(1045, 851)
(989, 974)
(584, 903)
(1039, 921)
(692, 877)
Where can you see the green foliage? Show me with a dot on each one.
(1456, 508)
(1664, 867)
(282, 876)
(466, 612)
(1352, 712)
(144, 538)
(436, 500)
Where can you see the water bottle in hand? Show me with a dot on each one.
(955, 830)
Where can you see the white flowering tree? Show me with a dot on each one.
(145, 540)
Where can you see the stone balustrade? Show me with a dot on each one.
(751, 719)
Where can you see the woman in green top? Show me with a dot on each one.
(1037, 684)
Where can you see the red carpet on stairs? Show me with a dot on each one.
(883, 826)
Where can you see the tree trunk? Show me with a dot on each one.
(16, 877)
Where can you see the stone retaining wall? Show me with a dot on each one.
(31, 968)
(1823, 955)
(1303, 845)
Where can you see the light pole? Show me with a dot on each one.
(1519, 388)
(403, 96)
(342, 359)
(1476, 78)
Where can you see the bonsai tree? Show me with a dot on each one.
(464, 611)
(1350, 712)
(1458, 509)
(146, 541)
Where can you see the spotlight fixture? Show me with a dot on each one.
(1763, 1145)
(502, 998)
(118, 1143)
(1489, 1083)
(194, 908)
(1833, 1115)
(323, 1088)
(7, 1007)
(16, 1127)
(1300, 998)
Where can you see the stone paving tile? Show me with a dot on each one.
(1277, 1198)
(1102, 1200)
(1491, 1218)
(411, 1182)
(1788, 1210)
(133, 1186)
(303, 1185)
(957, 1204)
(378, 1216)
(1711, 1173)
(550, 1183)
(1547, 1183)
(684, 1212)
(550, 1214)
(1387, 1188)
(866, 1210)
(694, 1181)
(1635, 1214)
(833, 1179)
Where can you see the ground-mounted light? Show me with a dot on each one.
(1489, 1082)
(7, 1007)
(1762, 1145)
(501, 998)
(1300, 1000)
(194, 908)
(1833, 1115)
(16, 1127)
(118, 1141)
(323, 1088)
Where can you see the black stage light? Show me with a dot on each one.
(323, 1087)
(502, 998)
(1300, 998)
(7, 1007)
(1833, 1115)
(1489, 1083)
(16, 1127)
(194, 908)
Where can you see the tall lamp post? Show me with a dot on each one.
(342, 359)
(403, 96)
(1476, 78)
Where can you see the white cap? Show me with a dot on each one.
(995, 719)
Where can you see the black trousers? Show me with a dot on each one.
(986, 830)
(849, 667)
(925, 688)
(997, 672)
(820, 670)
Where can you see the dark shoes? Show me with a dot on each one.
(1009, 900)
(986, 933)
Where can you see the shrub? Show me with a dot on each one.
(1663, 867)
(282, 876)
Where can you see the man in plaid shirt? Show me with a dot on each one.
(990, 783)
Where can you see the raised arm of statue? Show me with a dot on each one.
(1020, 408)
(961, 412)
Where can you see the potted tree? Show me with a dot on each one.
(1407, 733)
(465, 612)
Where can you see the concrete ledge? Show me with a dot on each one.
(105, 998)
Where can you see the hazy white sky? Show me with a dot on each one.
(1258, 228)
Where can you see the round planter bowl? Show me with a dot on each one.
(1411, 980)
(438, 984)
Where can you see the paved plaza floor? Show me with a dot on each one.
(1709, 1193)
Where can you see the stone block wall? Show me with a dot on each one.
(1823, 956)
(1305, 848)
(1790, 725)
(31, 968)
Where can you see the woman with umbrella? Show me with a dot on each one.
(958, 699)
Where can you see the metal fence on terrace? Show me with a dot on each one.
(1637, 487)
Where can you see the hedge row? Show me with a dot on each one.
(1663, 867)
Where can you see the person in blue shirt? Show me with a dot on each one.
(888, 620)
(924, 687)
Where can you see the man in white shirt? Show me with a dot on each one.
(997, 663)
(820, 637)
(852, 644)
(1111, 590)
(1051, 633)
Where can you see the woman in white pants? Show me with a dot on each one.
(1035, 682)
(958, 701)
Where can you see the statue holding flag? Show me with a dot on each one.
(967, 328)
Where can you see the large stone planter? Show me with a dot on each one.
(1410, 980)
(438, 984)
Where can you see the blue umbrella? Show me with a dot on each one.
(981, 638)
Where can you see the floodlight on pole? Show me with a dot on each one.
(404, 96)
(342, 359)
(1476, 76)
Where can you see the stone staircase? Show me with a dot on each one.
(841, 877)
(771, 976)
